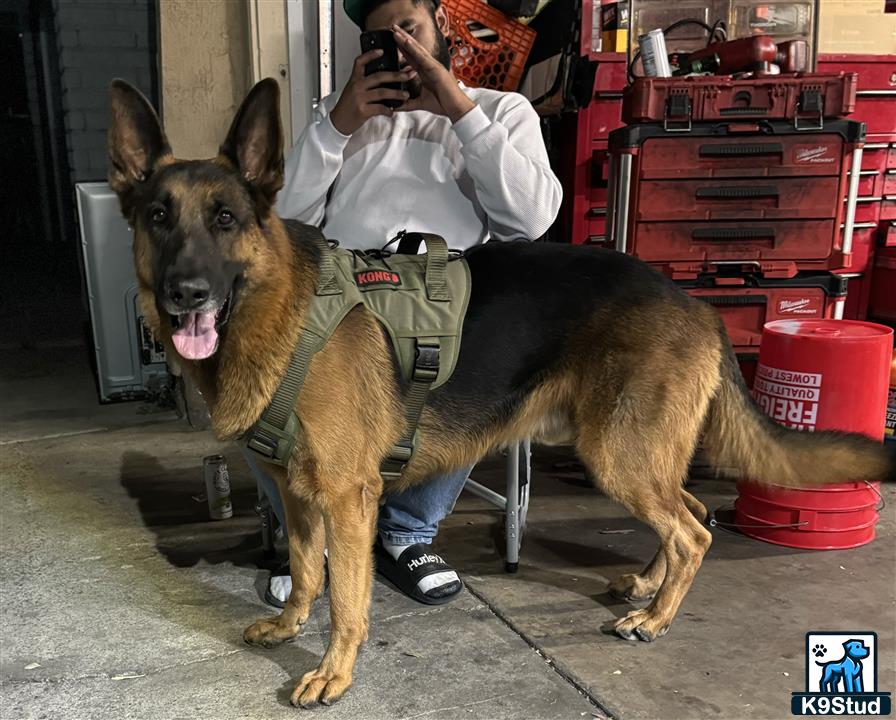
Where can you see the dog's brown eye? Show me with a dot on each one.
(158, 215)
(225, 218)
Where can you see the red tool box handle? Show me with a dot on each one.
(739, 193)
(734, 299)
(741, 149)
(735, 233)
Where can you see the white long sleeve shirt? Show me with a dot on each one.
(486, 176)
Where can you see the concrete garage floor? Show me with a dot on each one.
(119, 599)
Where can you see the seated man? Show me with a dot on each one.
(467, 164)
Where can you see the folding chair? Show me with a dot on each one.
(518, 474)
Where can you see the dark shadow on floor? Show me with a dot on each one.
(172, 505)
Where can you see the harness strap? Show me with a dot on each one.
(326, 274)
(426, 370)
(436, 261)
(275, 434)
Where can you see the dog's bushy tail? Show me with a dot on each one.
(738, 435)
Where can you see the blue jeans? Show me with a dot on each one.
(407, 517)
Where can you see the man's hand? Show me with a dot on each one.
(359, 99)
(441, 93)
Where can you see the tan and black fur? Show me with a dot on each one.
(560, 344)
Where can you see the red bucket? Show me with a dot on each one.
(819, 375)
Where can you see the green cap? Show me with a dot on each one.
(358, 9)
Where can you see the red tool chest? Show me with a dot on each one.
(745, 308)
(677, 102)
(762, 196)
(583, 167)
(876, 96)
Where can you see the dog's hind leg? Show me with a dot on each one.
(350, 520)
(697, 508)
(305, 530)
(639, 449)
(643, 585)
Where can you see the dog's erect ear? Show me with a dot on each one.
(136, 141)
(254, 143)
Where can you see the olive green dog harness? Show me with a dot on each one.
(421, 300)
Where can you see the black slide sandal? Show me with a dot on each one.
(415, 563)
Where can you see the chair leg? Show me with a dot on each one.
(512, 510)
(524, 485)
(268, 523)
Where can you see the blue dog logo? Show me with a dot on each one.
(846, 672)
(843, 686)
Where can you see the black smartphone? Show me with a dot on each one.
(382, 40)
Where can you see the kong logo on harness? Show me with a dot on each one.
(841, 676)
(377, 278)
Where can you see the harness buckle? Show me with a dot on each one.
(392, 467)
(262, 445)
(426, 362)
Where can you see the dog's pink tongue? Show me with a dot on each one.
(196, 338)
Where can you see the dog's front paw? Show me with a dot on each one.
(269, 633)
(631, 587)
(319, 685)
(641, 625)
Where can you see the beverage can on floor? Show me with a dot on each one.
(217, 487)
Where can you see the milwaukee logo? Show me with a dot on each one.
(796, 306)
(366, 278)
(424, 560)
(817, 154)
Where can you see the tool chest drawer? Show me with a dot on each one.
(876, 96)
(604, 115)
(771, 199)
(765, 240)
(745, 310)
(751, 199)
(738, 150)
(875, 72)
(871, 183)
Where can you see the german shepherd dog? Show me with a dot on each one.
(561, 344)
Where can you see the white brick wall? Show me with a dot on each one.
(100, 40)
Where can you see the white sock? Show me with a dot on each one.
(280, 586)
(431, 584)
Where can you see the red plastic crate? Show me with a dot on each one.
(680, 101)
(745, 310)
(497, 65)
